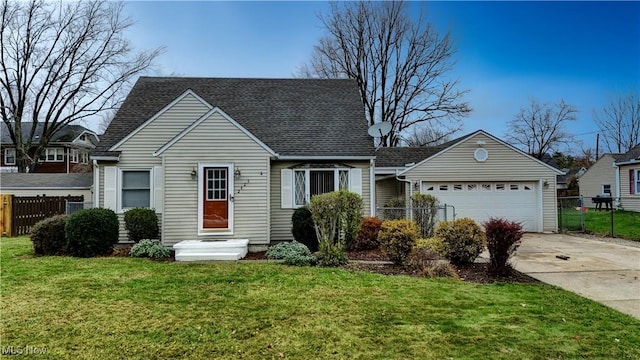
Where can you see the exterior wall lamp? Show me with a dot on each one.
(237, 173)
(194, 173)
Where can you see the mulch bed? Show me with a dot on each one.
(474, 273)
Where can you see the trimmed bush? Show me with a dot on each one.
(303, 228)
(91, 232)
(397, 239)
(368, 235)
(503, 238)
(286, 249)
(141, 223)
(425, 213)
(300, 260)
(433, 243)
(48, 236)
(337, 217)
(463, 240)
(148, 248)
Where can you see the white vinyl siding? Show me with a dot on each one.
(599, 174)
(629, 201)
(216, 140)
(281, 210)
(503, 165)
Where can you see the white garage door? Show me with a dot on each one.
(515, 201)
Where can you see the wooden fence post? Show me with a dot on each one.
(6, 226)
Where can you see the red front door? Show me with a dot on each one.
(216, 198)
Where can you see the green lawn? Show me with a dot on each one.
(107, 308)
(626, 224)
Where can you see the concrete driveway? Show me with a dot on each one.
(602, 271)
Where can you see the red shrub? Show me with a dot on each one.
(503, 238)
(368, 234)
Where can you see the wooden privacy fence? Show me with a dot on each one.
(19, 213)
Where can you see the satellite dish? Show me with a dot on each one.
(380, 129)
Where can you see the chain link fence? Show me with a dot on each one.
(601, 215)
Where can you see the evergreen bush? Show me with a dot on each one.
(150, 248)
(48, 236)
(397, 239)
(141, 223)
(91, 232)
(463, 240)
(303, 228)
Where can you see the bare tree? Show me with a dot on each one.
(400, 65)
(619, 123)
(61, 62)
(539, 128)
(430, 135)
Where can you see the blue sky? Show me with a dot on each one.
(508, 52)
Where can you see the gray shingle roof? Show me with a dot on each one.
(305, 117)
(66, 134)
(400, 156)
(44, 180)
(633, 154)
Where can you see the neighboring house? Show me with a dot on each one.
(67, 152)
(628, 173)
(568, 180)
(600, 178)
(479, 174)
(33, 184)
(222, 158)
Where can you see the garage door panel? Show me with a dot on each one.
(515, 201)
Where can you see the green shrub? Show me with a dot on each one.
(151, 249)
(394, 209)
(433, 243)
(91, 232)
(141, 223)
(368, 235)
(425, 213)
(303, 228)
(337, 216)
(397, 239)
(300, 260)
(48, 236)
(503, 238)
(463, 240)
(287, 249)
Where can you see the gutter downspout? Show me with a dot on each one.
(410, 190)
(96, 184)
(372, 187)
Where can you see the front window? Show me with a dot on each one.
(637, 181)
(54, 154)
(74, 156)
(136, 188)
(308, 183)
(10, 156)
(84, 156)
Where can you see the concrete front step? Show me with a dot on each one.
(198, 250)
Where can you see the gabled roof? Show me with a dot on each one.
(66, 134)
(294, 117)
(399, 157)
(630, 156)
(46, 181)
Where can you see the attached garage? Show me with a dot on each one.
(481, 176)
(516, 201)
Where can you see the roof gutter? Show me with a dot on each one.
(630, 162)
(297, 157)
(105, 158)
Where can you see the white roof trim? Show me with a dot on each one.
(105, 158)
(86, 132)
(217, 110)
(557, 171)
(388, 170)
(47, 188)
(630, 162)
(320, 157)
(158, 114)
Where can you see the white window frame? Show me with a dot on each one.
(55, 152)
(603, 189)
(307, 182)
(230, 199)
(7, 151)
(121, 171)
(74, 156)
(84, 157)
(636, 180)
